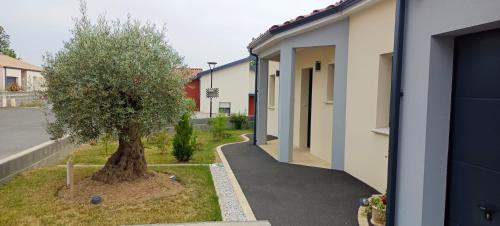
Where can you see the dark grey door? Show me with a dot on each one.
(474, 159)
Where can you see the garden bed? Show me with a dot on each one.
(40, 196)
(32, 199)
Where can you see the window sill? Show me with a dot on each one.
(381, 131)
(329, 102)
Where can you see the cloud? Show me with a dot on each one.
(199, 30)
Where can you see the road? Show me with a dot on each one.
(21, 128)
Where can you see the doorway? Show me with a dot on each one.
(305, 95)
(473, 187)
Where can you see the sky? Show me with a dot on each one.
(200, 30)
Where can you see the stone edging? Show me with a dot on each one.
(234, 182)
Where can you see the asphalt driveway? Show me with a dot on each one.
(21, 128)
(287, 194)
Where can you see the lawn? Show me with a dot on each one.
(30, 199)
(97, 154)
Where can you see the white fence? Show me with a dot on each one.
(15, 99)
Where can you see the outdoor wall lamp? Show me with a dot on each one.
(317, 66)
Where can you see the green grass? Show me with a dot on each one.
(32, 104)
(30, 199)
(97, 154)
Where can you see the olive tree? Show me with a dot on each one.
(115, 77)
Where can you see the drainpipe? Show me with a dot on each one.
(255, 96)
(396, 94)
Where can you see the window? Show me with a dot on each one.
(329, 82)
(225, 108)
(384, 91)
(9, 81)
(272, 91)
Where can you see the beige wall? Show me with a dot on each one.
(371, 33)
(322, 111)
(272, 111)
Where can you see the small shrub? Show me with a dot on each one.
(218, 127)
(106, 139)
(240, 121)
(160, 140)
(183, 146)
(197, 144)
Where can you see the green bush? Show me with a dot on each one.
(240, 121)
(183, 142)
(218, 127)
(160, 140)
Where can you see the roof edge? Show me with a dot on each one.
(277, 29)
(224, 66)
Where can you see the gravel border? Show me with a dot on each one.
(230, 207)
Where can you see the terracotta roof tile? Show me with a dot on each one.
(269, 32)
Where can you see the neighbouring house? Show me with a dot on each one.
(25, 75)
(192, 88)
(445, 137)
(324, 83)
(236, 84)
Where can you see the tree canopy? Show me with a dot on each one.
(112, 73)
(117, 78)
(5, 44)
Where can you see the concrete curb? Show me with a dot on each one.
(234, 182)
(149, 165)
(41, 155)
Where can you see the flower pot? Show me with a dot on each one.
(378, 216)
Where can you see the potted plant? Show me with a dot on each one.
(378, 205)
(14, 87)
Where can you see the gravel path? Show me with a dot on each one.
(230, 207)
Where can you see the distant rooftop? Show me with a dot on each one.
(10, 62)
(218, 68)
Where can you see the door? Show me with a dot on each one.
(251, 105)
(309, 107)
(473, 196)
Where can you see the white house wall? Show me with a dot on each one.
(425, 105)
(35, 80)
(233, 83)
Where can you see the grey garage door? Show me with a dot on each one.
(473, 197)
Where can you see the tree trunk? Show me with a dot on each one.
(128, 162)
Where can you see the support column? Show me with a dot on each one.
(339, 107)
(262, 80)
(286, 104)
